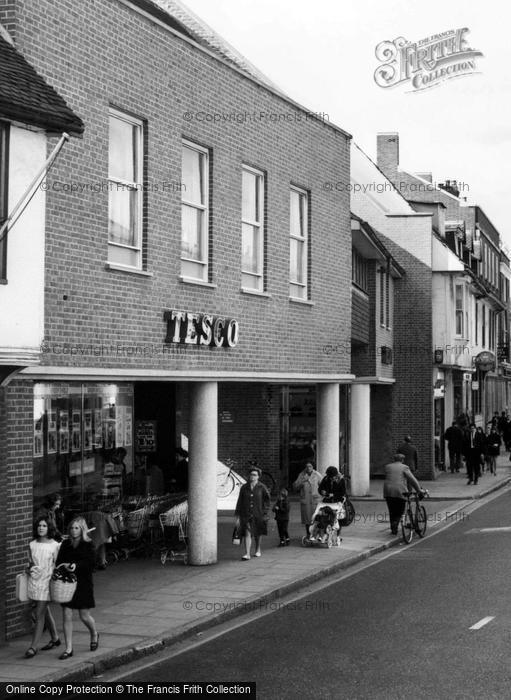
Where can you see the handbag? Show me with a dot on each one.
(62, 585)
(350, 513)
(236, 536)
(22, 587)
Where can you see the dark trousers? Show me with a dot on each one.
(454, 458)
(282, 526)
(474, 464)
(396, 508)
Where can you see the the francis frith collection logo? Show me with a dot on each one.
(427, 62)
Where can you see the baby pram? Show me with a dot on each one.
(324, 529)
(175, 517)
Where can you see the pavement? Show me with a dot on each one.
(144, 606)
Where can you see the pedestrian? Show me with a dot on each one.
(307, 484)
(502, 423)
(473, 449)
(43, 550)
(454, 438)
(507, 436)
(52, 511)
(408, 449)
(77, 555)
(252, 511)
(333, 489)
(493, 443)
(281, 510)
(398, 480)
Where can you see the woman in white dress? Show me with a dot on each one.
(43, 552)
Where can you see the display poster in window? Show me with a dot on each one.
(38, 437)
(98, 428)
(128, 426)
(64, 421)
(52, 421)
(87, 430)
(63, 442)
(51, 442)
(109, 434)
(119, 426)
(76, 440)
(145, 436)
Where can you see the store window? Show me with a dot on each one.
(83, 443)
(125, 155)
(4, 169)
(299, 244)
(194, 213)
(252, 230)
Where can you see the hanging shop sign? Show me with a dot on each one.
(200, 329)
(485, 361)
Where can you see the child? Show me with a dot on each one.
(281, 510)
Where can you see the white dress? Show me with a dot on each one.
(44, 556)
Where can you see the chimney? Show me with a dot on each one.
(450, 186)
(387, 153)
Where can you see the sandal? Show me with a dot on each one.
(51, 644)
(94, 645)
(66, 655)
(30, 653)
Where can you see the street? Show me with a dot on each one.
(397, 629)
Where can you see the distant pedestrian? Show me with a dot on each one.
(252, 511)
(411, 456)
(454, 438)
(507, 436)
(493, 443)
(307, 484)
(473, 449)
(502, 423)
(281, 510)
(77, 555)
(398, 480)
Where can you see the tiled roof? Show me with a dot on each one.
(26, 97)
(209, 39)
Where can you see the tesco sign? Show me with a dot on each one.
(200, 329)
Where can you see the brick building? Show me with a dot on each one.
(195, 271)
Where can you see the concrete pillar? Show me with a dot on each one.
(202, 469)
(360, 438)
(327, 426)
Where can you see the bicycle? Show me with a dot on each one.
(226, 480)
(414, 518)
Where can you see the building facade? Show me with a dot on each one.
(195, 271)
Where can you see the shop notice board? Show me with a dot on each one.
(145, 435)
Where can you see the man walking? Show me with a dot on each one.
(398, 480)
(411, 456)
(474, 447)
(454, 438)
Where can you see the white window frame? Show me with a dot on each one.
(136, 185)
(186, 273)
(459, 313)
(303, 291)
(259, 275)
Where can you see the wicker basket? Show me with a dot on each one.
(62, 586)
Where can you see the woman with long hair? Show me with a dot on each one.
(43, 550)
(77, 555)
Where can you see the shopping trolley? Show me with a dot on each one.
(175, 517)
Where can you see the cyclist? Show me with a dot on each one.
(398, 480)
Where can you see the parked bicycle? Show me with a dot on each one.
(414, 518)
(228, 479)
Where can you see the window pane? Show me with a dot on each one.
(250, 196)
(123, 256)
(296, 216)
(122, 216)
(297, 291)
(191, 241)
(250, 249)
(193, 176)
(122, 150)
(296, 266)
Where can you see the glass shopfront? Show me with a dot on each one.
(83, 442)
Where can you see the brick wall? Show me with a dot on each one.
(412, 411)
(8, 16)
(16, 430)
